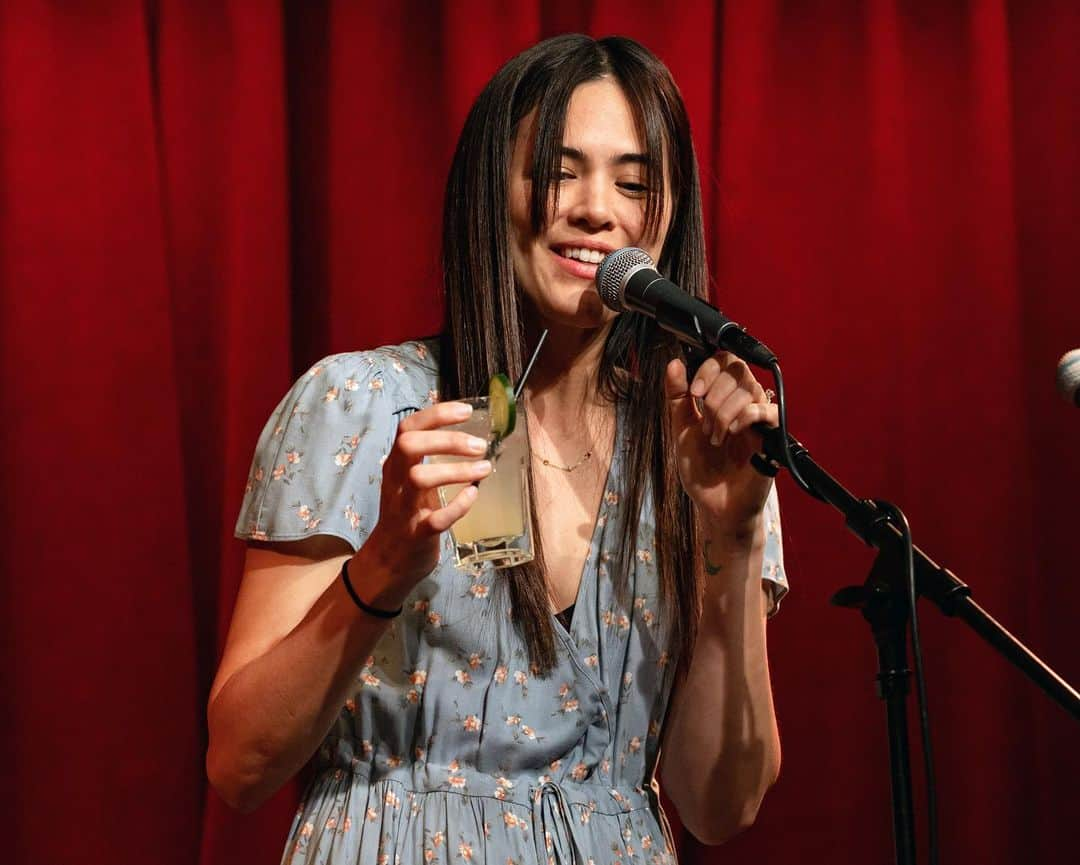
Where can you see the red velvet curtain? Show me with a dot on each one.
(197, 199)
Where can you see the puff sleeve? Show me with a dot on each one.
(317, 468)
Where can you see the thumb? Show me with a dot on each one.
(681, 406)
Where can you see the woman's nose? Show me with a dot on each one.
(592, 206)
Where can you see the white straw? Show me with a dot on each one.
(532, 360)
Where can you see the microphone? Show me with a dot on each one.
(627, 280)
(1068, 376)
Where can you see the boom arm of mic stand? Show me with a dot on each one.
(932, 581)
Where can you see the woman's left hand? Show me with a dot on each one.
(714, 443)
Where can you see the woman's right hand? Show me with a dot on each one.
(404, 544)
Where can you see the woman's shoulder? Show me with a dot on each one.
(409, 368)
(318, 461)
(419, 355)
(378, 386)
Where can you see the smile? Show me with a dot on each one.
(577, 261)
(589, 256)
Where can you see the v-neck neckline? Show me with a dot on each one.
(597, 531)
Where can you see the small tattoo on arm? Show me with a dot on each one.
(710, 568)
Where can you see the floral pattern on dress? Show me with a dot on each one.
(451, 749)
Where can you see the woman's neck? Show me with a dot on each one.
(563, 384)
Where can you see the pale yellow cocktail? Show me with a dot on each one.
(496, 528)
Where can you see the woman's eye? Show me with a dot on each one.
(566, 175)
(633, 187)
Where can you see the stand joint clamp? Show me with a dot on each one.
(892, 683)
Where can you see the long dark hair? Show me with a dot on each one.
(484, 328)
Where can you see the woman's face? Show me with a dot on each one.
(602, 197)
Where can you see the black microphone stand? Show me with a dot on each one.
(883, 601)
(883, 598)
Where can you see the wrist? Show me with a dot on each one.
(374, 578)
(734, 538)
(373, 611)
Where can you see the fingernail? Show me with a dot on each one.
(697, 388)
(477, 445)
(482, 467)
(462, 410)
(734, 428)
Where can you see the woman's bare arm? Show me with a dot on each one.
(721, 742)
(295, 647)
(722, 748)
(297, 641)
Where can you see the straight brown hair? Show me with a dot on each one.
(484, 328)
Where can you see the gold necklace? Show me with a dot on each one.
(569, 468)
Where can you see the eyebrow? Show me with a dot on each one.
(621, 159)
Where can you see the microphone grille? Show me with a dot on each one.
(1068, 375)
(613, 271)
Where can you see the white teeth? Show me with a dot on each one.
(589, 256)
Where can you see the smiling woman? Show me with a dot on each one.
(517, 715)
(596, 207)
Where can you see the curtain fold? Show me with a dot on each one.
(199, 199)
(103, 708)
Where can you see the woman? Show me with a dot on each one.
(478, 722)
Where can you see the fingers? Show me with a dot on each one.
(438, 415)
(421, 435)
(416, 499)
(426, 476)
(725, 386)
(440, 520)
(720, 410)
(731, 399)
(680, 403)
(410, 508)
(754, 413)
(414, 445)
(675, 380)
(706, 375)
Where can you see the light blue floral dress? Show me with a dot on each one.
(451, 750)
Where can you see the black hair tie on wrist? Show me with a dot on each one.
(367, 608)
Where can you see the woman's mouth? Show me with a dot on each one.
(582, 254)
(578, 260)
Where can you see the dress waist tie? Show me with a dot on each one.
(553, 827)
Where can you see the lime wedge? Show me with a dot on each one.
(502, 405)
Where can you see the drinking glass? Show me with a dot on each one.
(496, 528)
